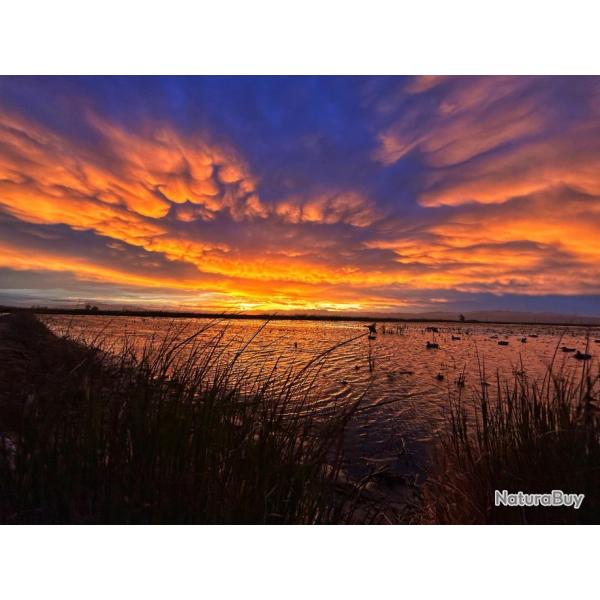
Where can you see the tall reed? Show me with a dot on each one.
(174, 432)
(527, 436)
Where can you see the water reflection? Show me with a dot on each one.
(405, 373)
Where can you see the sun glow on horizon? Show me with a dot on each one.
(432, 193)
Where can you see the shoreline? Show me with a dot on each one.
(278, 317)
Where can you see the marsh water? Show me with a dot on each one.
(404, 386)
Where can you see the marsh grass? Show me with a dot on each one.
(527, 436)
(173, 432)
(182, 429)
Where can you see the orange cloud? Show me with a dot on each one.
(507, 200)
(348, 207)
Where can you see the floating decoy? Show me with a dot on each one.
(567, 349)
(372, 328)
(432, 345)
(523, 340)
(596, 341)
(455, 337)
(502, 343)
(533, 335)
(494, 337)
(440, 377)
(582, 356)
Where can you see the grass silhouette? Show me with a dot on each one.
(161, 436)
(531, 437)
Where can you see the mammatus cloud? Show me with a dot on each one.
(461, 187)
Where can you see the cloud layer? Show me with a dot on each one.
(366, 194)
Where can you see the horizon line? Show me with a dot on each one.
(285, 316)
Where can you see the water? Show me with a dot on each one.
(403, 399)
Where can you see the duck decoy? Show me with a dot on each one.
(567, 349)
(582, 356)
(432, 345)
(455, 338)
(533, 335)
(523, 340)
(440, 377)
(502, 343)
(596, 341)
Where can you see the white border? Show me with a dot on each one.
(298, 562)
(299, 37)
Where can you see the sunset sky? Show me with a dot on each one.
(373, 194)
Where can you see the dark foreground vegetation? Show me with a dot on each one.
(177, 433)
(532, 437)
(166, 437)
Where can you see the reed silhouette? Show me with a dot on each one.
(165, 436)
(529, 436)
(179, 432)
